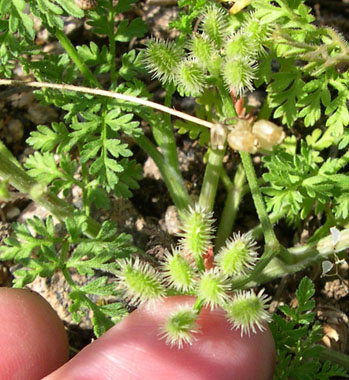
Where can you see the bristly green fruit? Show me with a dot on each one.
(190, 77)
(139, 281)
(212, 288)
(178, 272)
(240, 45)
(248, 311)
(238, 256)
(258, 32)
(162, 59)
(197, 234)
(214, 24)
(238, 74)
(180, 328)
(202, 50)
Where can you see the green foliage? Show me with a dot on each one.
(307, 90)
(302, 181)
(42, 249)
(217, 57)
(297, 340)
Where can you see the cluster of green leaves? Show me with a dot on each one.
(42, 249)
(18, 32)
(315, 87)
(302, 182)
(185, 19)
(93, 126)
(86, 150)
(297, 340)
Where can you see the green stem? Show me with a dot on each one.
(169, 146)
(18, 178)
(73, 54)
(198, 305)
(335, 357)
(162, 131)
(300, 257)
(235, 193)
(228, 105)
(211, 178)
(173, 181)
(273, 217)
(111, 36)
(269, 235)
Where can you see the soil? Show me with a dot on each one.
(149, 215)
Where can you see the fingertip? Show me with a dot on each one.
(132, 350)
(33, 340)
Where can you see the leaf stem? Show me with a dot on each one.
(269, 235)
(18, 178)
(73, 54)
(172, 179)
(235, 193)
(211, 178)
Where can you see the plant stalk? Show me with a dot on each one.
(269, 235)
(18, 178)
(211, 178)
(235, 193)
(74, 56)
(172, 179)
(301, 257)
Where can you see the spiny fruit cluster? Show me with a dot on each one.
(185, 271)
(217, 52)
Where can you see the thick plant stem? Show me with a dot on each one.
(215, 159)
(269, 235)
(169, 145)
(163, 135)
(19, 179)
(235, 192)
(74, 56)
(173, 181)
(300, 257)
(211, 179)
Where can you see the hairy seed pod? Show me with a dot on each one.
(243, 140)
(86, 5)
(268, 134)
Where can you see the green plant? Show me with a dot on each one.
(269, 43)
(297, 340)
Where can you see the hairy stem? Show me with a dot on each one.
(300, 257)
